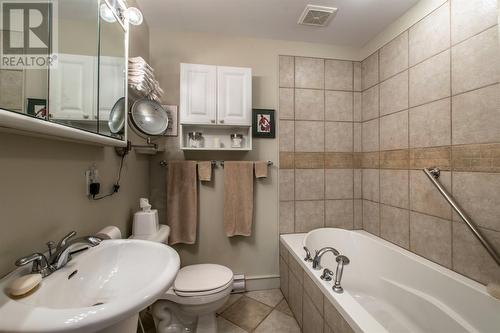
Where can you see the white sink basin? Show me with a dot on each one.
(113, 281)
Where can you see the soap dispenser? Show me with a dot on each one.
(145, 220)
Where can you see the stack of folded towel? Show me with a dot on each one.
(142, 80)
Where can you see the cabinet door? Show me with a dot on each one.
(72, 88)
(234, 95)
(198, 94)
(111, 86)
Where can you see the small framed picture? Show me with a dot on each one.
(37, 107)
(263, 124)
(173, 124)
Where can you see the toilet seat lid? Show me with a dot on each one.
(202, 277)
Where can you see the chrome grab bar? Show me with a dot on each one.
(433, 175)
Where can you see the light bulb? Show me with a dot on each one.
(107, 14)
(134, 16)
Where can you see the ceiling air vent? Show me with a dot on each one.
(318, 16)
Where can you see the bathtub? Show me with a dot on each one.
(389, 289)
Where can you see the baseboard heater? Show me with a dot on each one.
(239, 284)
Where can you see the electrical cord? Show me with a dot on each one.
(116, 186)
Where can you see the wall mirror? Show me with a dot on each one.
(80, 92)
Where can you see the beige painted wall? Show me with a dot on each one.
(256, 256)
(42, 187)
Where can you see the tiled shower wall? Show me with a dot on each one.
(430, 97)
(320, 129)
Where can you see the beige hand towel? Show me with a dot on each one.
(182, 201)
(238, 198)
(205, 171)
(260, 169)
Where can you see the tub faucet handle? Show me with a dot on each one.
(308, 254)
(327, 275)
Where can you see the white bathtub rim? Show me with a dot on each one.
(470, 283)
(364, 322)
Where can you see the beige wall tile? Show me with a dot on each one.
(369, 71)
(309, 136)
(309, 104)
(286, 186)
(338, 75)
(469, 17)
(286, 135)
(284, 277)
(430, 80)
(426, 157)
(358, 185)
(309, 73)
(358, 214)
(339, 214)
(283, 252)
(312, 290)
(431, 35)
(338, 137)
(371, 184)
(358, 146)
(335, 321)
(338, 183)
(357, 107)
(370, 103)
(313, 321)
(477, 194)
(394, 56)
(309, 184)
(309, 215)
(295, 269)
(287, 65)
(370, 135)
(394, 188)
(394, 131)
(286, 103)
(287, 217)
(339, 160)
(476, 116)
(309, 160)
(476, 62)
(338, 105)
(394, 94)
(295, 297)
(395, 225)
(371, 218)
(286, 160)
(479, 158)
(394, 159)
(430, 124)
(357, 76)
(425, 198)
(469, 256)
(430, 237)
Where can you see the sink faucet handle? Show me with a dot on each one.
(40, 263)
(65, 239)
(50, 246)
(308, 254)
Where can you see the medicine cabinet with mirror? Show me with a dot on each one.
(83, 79)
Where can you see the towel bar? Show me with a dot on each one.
(164, 163)
(269, 163)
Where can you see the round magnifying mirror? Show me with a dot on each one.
(149, 117)
(117, 116)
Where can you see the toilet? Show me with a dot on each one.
(197, 293)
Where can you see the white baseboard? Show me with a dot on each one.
(262, 282)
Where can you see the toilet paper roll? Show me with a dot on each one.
(109, 232)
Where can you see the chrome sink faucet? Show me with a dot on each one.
(61, 255)
(317, 258)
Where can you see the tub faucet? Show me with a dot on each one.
(308, 254)
(341, 261)
(319, 254)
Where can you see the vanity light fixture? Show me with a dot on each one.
(106, 13)
(134, 15)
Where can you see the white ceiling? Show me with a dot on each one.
(356, 22)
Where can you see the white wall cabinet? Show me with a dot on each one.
(217, 101)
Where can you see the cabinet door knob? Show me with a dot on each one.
(85, 116)
(221, 121)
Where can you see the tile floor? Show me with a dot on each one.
(262, 311)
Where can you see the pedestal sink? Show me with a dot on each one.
(101, 290)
